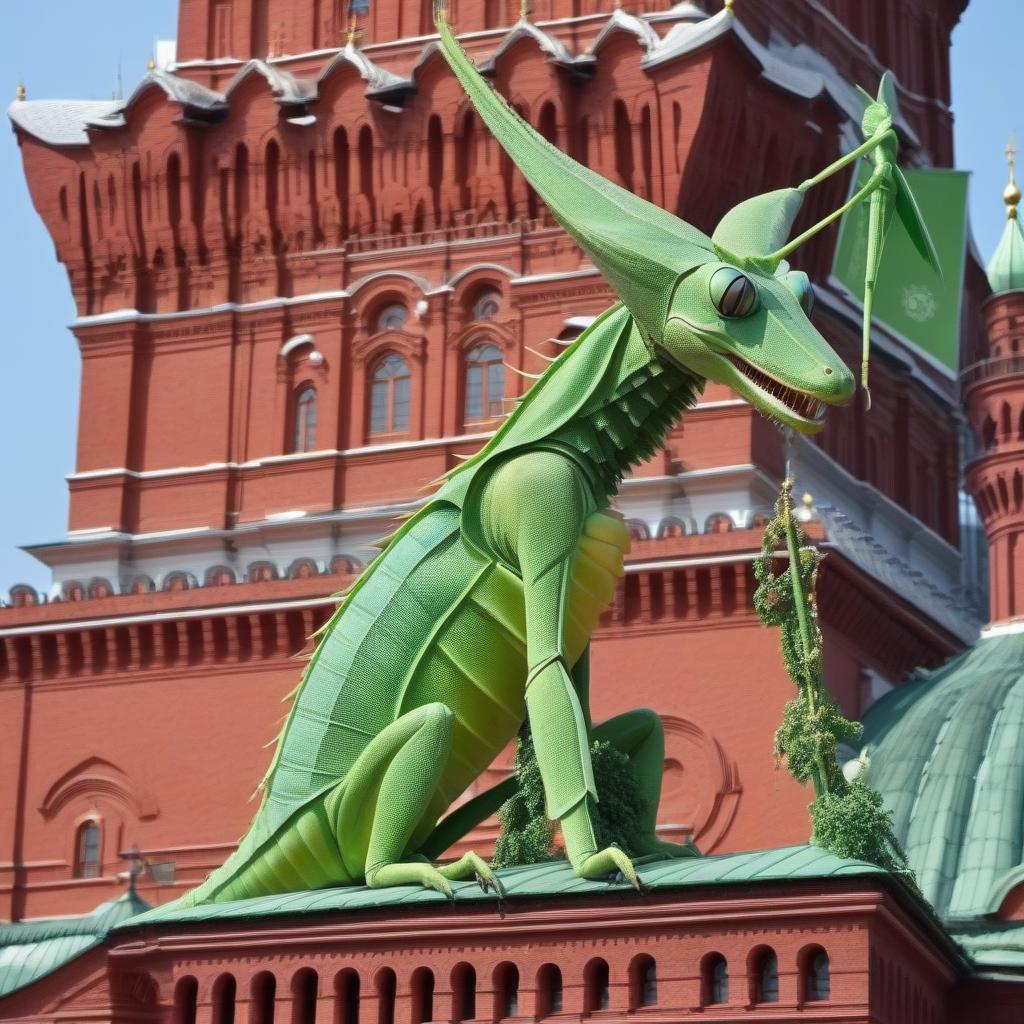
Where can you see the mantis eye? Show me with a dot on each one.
(800, 285)
(733, 293)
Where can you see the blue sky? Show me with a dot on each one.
(67, 48)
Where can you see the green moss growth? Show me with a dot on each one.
(809, 736)
(854, 823)
(528, 837)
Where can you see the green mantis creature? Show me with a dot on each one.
(478, 612)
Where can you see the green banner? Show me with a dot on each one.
(910, 298)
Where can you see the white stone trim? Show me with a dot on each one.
(297, 341)
(128, 315)
(183, 613)
(270, 460)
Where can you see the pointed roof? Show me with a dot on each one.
(1006, 268)
(285, 87)
(621, 21)
(376, 77)
(525, 29)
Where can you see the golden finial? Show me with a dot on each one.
(21, 93)
(352, 32)
(1011, 194)
(151, 64)
(808, 500)
(728, 5)
(524, 10)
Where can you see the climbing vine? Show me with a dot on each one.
(847, 818)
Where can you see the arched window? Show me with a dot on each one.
(341, 177)
(391, 317)
(97, 203)
(422, 984)
(304, 993)
(304, 434)
(186, 992)
(595, 986)
(272, 185)
(263, 990)
(465, 158)
(485, 383)
(623, 145)
(715, 978)
(766, 977)
(224, 989)
(506, 991)
(643, 982)
(817, 976)
(463, 993)
(87, 850)
(389, 396)
(647, 152)
(385, 985)
(346, 987)
(549, 990)
(435, 163)
(241, 185)
(174, 191)
(365, 145)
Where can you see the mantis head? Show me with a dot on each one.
(750, 330)
(727, 307)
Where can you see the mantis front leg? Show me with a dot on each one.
(521, 527)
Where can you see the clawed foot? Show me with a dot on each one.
(469, 865)
(425, 874)
(420, 871)
(611, 861)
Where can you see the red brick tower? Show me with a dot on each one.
(994, 397)
(301, 268)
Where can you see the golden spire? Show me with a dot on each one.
(728, 5)
(151, 64)
(21, 94)
(352, 32)
(1011, 194)
(524, 10)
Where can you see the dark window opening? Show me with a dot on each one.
(87, 850)
(389, 396)
(304, 433)
(485, 383)
(818, 977)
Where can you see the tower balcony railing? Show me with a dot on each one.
(986, 369)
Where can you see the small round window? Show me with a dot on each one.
(392, 317)
(487, 304)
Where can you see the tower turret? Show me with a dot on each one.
(993, 391)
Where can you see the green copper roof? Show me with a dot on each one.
(31, 950)
(1006, 268)
(947, 754)
(993, 944)
(788, 864)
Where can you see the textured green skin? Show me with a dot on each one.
(477, 614)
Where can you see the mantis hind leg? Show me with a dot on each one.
(391, 800)
(640, 735)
